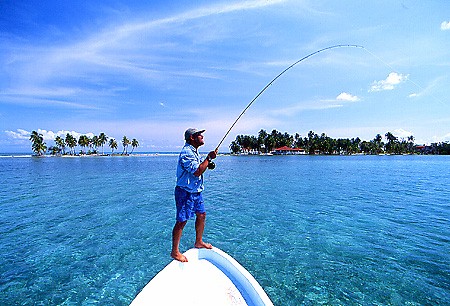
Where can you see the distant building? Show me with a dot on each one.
(426, 149)
(289, 151)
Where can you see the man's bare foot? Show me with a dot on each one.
(203, 245)
(178, 256)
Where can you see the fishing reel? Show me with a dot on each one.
(211, 165)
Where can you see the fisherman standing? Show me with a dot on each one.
(188, 192)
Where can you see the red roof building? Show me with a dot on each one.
(289, 151)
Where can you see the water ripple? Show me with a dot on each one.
(311, 229)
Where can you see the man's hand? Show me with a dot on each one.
(204, 165)
(212, 154)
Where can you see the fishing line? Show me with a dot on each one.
(274, 79)
(212, 165)
(408, 79)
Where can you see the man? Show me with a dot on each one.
(188, 192)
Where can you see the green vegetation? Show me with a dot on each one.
(37, 143)
(322, 144)
(262, 143)
(89, 146)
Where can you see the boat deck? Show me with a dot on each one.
(208, 278)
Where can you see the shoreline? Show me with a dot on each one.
(155, 154)
(24, 155)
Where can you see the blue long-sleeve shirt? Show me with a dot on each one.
(188, 162)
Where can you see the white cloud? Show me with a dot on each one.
(401, 133)
(444, 138)
(106, 53)
(63, 134)
(392, 80)
(347, 97)
(47, 135)
(445, 25)
(20, 134)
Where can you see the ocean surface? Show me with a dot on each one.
(313, 230)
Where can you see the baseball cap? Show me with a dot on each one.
(191, 131)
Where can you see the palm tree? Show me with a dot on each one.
(125, 143)
(410, 145)
(392, 140)
(378, 138)
(35, 137)
(235, 147)
(262, 136)
(84, 141)
(60, 143)
(312, 142)
(355, 142)
(71, 142)
(95, 143)
(298, 141)
(102, 139)
(37, 143)
(54, 150)
(134, 144)
(112, 145)
(269, 143)
(378, 143)
(390, 137)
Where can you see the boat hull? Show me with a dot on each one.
(210, 277)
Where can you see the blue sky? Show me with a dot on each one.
(150, 69)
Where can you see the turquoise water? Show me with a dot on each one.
(313, 230)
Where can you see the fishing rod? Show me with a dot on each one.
(211, 164)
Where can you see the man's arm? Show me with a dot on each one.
(204, 165)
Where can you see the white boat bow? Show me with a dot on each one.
(210, 277)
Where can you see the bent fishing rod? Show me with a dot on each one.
(211, 165)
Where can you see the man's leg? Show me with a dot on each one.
(176, 238)
(199, 228)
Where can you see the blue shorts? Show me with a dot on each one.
(188, 204)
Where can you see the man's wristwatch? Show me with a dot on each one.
(209, 159)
